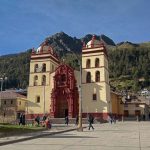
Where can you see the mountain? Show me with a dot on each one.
(62, 43)
(128, 62)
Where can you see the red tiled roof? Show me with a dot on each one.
(10, 95)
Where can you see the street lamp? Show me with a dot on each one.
(2, 79)
(80, 128)
(44, 100)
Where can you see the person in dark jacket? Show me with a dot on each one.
(20, 119)
(77, 120)
(66, 120)
(23, 119)
(91, 121)
(37, 119)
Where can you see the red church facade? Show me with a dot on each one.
(64, 96)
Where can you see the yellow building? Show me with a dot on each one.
(136, 106)
(53, 87)
(117, 104)
(43, 63)
(12, 104)
(95, 79)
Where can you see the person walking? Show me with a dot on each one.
(20, 119)
(37, 119)
(23, 119)
(77, 120)
(48, 123)
(91, 121)
(114, 119)
(66, 120)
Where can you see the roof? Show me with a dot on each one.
(10, 95)
(93, 43)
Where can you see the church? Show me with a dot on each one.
(54, 87)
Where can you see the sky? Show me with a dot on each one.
(25, 24)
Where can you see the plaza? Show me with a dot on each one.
(120, 136)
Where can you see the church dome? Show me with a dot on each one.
(44, 48)
(93, 43)
(38, 49)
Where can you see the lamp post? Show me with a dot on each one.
(44, 100)
(80, 128)
(2, 79)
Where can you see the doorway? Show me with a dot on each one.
(66, 112)
(62, 106)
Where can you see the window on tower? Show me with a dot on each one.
(35, 67)
(88, 77)
(94, 97)
(35, 80)
(44, 80)
(88, 63)
(97, 62)
(97, 76)
(44, 68)
(37, 99)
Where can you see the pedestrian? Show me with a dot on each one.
(37, 119)
(114, 119)
(48, 123)
(91, 121)
(77, 120)
(110, 119)
(44, 117)
(20, 119)
(66, 120)
(143, 117)
(23, 119)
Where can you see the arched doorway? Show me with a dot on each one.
(64, 97)
(62, 105)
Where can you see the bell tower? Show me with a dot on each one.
(95, 79)
(43, 63)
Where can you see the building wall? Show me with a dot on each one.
(102, 88)
(117, 105)
(133, 107)
(95, 106)
(42, 91)
(21, 104)
(10, 108)
(50, 67)
(35, 107)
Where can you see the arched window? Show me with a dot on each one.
(97, 76)
(44, 80)
(63, 77)
(35, 80)
(88, 77)
(88, 63)
(35, 67)
(44, 68)
(97, 62)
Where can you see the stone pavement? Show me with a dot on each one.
(56, 128)
(119, 136)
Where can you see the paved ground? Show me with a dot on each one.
(120, 136)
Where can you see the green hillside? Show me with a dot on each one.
(128, 62)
